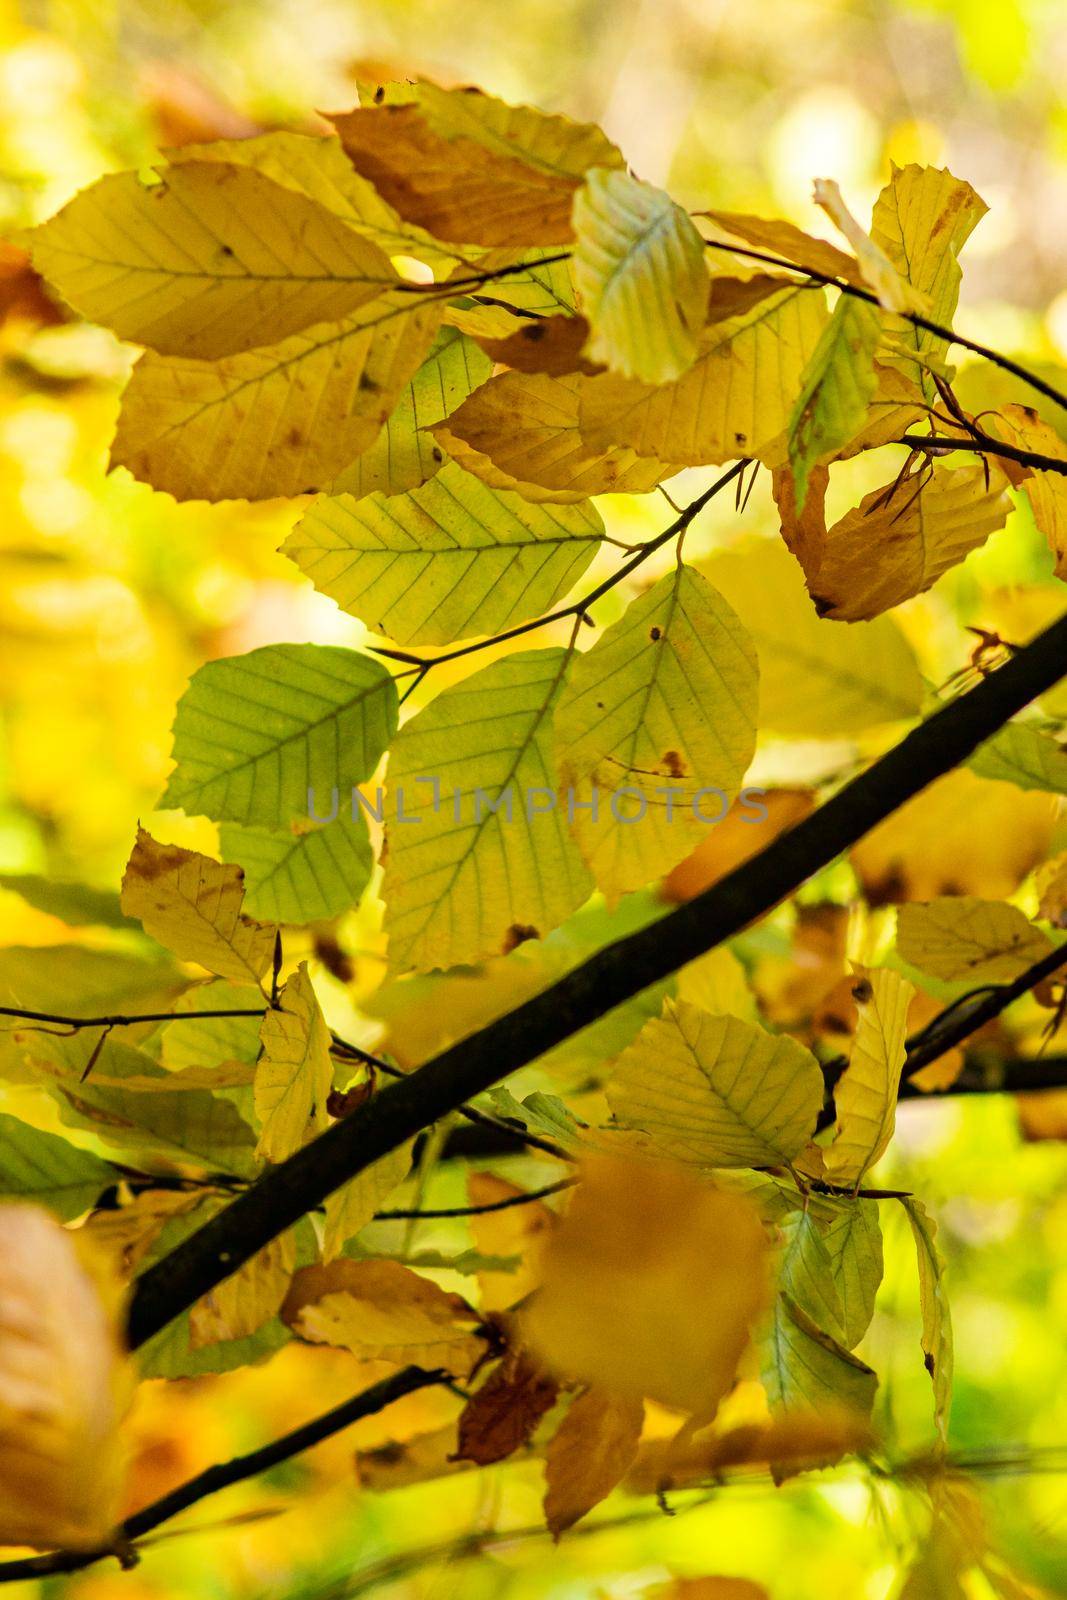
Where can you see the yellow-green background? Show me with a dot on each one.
(110, 595)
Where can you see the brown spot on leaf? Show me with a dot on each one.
(862, 992)
(674, 764)
(518, 934)
(655, 633)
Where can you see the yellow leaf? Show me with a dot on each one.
(382, 1311)
(63, 1389)
(294, 1071)
(490, 858)
(639, 269)
(878, 271)
(814, 676)
(936, 1318)
(240, 1305)
(734, 401)
(450, 559)
(1052, 888)
(922, 219)
(837, 388)
(405, 453)
(351, 1207)
(896, 545)
(674, 1268)
(473, 170)
(922, 851)
(589, 1454)
(127, 1234)
(318, 167)
(958, 938)
(521, 431)
(866, 1093)
(192, 905)
(213, 259)
(238, 428)
(517, 1231)
(1046, 491)
(655, 728)
(712, 1589)
(716, 1090)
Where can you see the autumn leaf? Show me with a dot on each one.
(958, 938)
(589, 1454)
(685, 1260)
(294, 1072)
(240, 1305)
(193, 905)
(640, 272)
(64, 1386)
(382, 1311)
(866, 1093)
(500, 1417)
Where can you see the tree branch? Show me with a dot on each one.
(982, 444)
(916, 318)
(222, 1475)
(586, 993)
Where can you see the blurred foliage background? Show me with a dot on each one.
(110, 595)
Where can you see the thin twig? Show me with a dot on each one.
(222, 1475)
(525, 1199)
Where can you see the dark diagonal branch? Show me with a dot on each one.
(222, 1475)
(606, 980)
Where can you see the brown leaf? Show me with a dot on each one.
(795, 1439)
(515, 1232)
(545, 344)
(504, 1412)
(590, 1453)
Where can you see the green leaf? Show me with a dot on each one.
(814, 675)
(211, 260)
(832, 1264)
(256, 734)
(193, 1041)
(640, 271)
(41, 1167)
(804, 1368)
(281, 420)
(716, 1090)
(464, 882)
(936, 1317)
(656, 727)
(1026, 756)
(836, 389)
(405, 454)
(84, 982)
(301, 877)
(448, 560)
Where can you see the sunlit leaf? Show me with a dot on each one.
(210, 260)
(655, 729)
(490, 860)
(1024, 755)
(238, 428)
(56, 1174)
(716, 1090)
(302, 875)
(936, 1319)
(449, 559)
(193, 905)
(257, 735)
(294, 1072)
(837, 387)
(640, 271)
